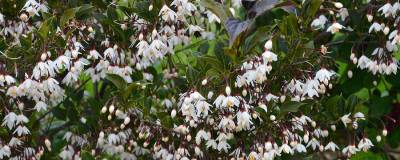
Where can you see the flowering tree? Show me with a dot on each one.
(199, 79)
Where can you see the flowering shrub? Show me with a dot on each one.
(199, 79)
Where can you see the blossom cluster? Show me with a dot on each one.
(244, 119)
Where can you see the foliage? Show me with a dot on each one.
(183, 79)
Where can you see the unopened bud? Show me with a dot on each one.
(378, 138)
(282, 98)
(43, 57)
(104, 109)
(338, 5)
(384, 133)
(272, 117)
(204, 82)
(173, 113)
(48, 144)
(111, 108)
(370, 17)
(268, 45)
(350, 74)
(228, 90)
(127, 120)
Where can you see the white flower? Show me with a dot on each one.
(310, 88)
(167, 14)
(21, 130)
(331, 146)
(300, 148)
(212, 17)
(63, 61)
(335, 27)
(226, 123)
(365, 144)
(359, 115)
(349, 150)
(324, 75)
(319, 23)
(202, 107)
(15, 142)
(344, 13)
(338, 5)
(243, 120)
(345, 119)
(268, 56)
(230, 101)
(386, 9)
(201, 135)
(378, 51)
(285, 148)
(268, 45)
(40, 106)
(12, 92)
(192, 29)
(9, 120)
(270, 97)
(93, 54)
(113, 139)
(375, 27)
(211, 143)
(314, 143)
(5, 151)
(223, 145)
(363, 62)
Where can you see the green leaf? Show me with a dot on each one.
(217, 8)
(117, 80)
(291, 106)
(87, 156)
(68, 15)
(380, 106)
(45, 28)
(366, 155)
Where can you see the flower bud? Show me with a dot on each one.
(321, 148)
(210, 94)
(244, 92)
(48, 144)
(378, 138)
(43, 57)
(354, 60)
(268, 45)
(204, 82)
(282, 98)
(141, 36)
(101, 134)
(272, 117)
(333, 127)
(154, 33)
(384, 132)
(313, 124)
(90, 29)
(23, 17)
(386, 30)
(118, 113)
(338, 5)
(350, 74)
(370, 17)
(111, 108)
(127, 120)
(104, 109)
(228, 90)
(173, 113)
(306, 138)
